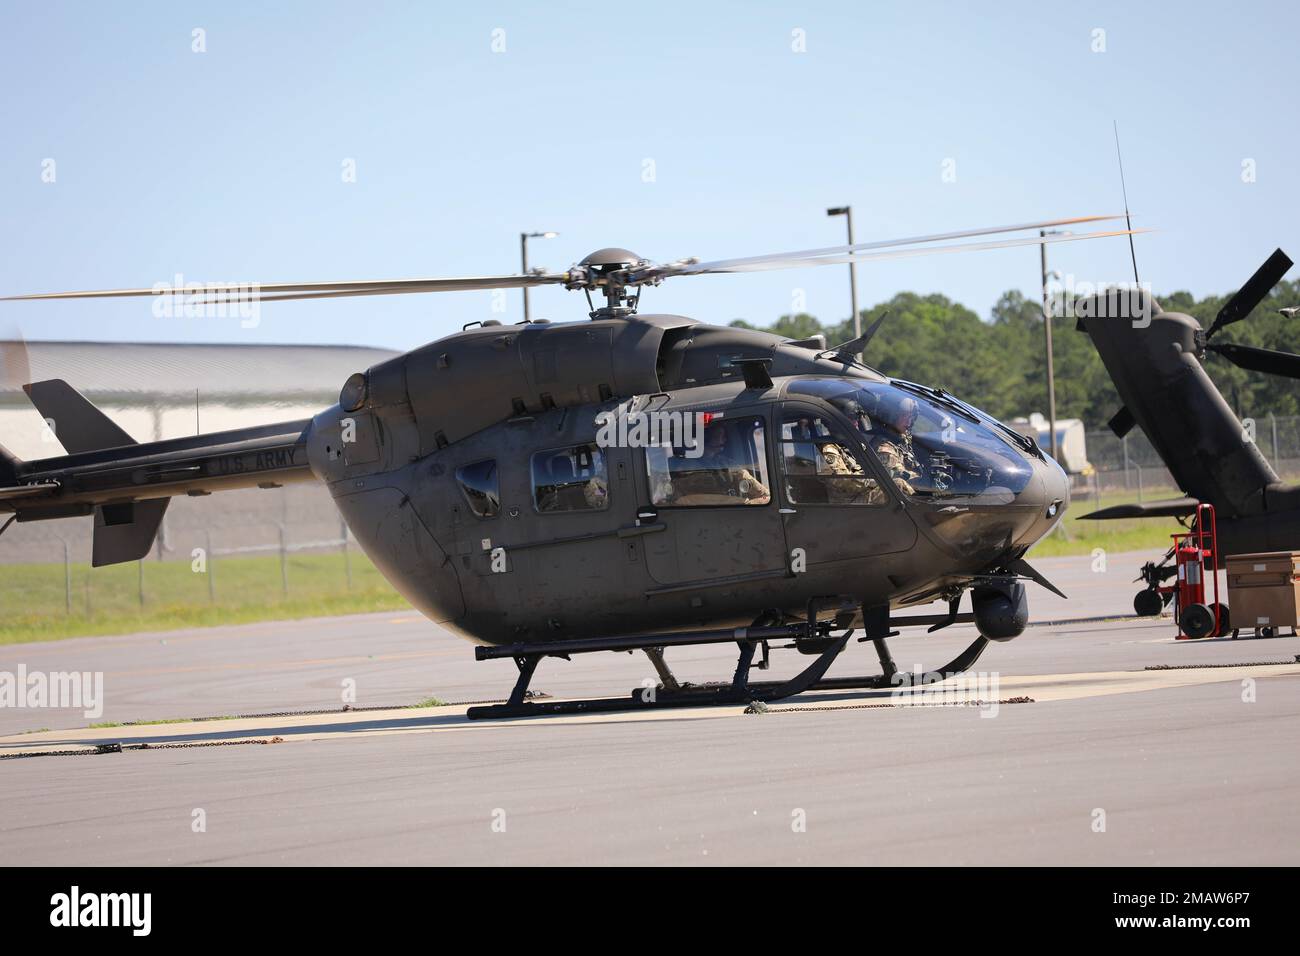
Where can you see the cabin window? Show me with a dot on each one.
(726, 465)
(570, 479)
(478, 482)
(819, 465)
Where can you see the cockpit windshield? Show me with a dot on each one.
(933, 447)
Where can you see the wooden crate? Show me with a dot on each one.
(1264, 589)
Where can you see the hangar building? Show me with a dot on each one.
(158, 391)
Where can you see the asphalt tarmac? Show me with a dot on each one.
(1099, 760)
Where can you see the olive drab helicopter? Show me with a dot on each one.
(1155, 359)
(630, 482)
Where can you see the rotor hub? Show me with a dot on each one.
(607, 270)
(611, 258)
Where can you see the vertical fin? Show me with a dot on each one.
(77, 424)
(125, 532)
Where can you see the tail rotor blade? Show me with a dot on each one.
(1253, 292)
(1268, 361)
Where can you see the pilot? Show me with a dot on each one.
(715, 478)
(846, 484)
(894, 446)
(844, 479)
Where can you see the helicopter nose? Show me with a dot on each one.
(1049, 490)
(1056, 489)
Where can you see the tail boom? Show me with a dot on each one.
(127, 486)
(264, 456)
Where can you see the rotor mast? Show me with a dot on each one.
(607, 270)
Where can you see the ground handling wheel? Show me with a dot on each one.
(1196, 620)
(1225, 619)
(1148, 603)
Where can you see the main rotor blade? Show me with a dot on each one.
(279, 291)
(898, 253)
(437, 285)
(728, 265)
(1268, 361)
(210, 293)
(1252, 293)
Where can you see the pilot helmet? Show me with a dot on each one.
(907, 409)
(857, 414)
(899, 412)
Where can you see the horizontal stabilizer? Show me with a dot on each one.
(76, 423)
(1169, 508)
(125, 532)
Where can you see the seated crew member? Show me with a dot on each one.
(595, 492)
(839, 471)
(569, 490)
(846, 483)
(893, 444)
(715, 477)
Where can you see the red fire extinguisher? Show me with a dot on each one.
(1191, 579)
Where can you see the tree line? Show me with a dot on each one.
(1000, 364)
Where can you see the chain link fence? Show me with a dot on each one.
(1130, 466)
(243, 549)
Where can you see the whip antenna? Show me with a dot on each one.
(1128, 220)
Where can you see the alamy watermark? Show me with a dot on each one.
(208, 300)
(1077, 299)
(971, 688)
(55, 690)
(683, 430)
(133, 911)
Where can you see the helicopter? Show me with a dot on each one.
(1155, 358)
(631, 482)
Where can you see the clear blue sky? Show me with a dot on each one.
(226, 165)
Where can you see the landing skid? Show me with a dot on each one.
(740, 690)
(892, 677)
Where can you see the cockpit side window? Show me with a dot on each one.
(726, 465)
(819, 463)
(478, 483)
(570, 479)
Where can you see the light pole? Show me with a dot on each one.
(523, 258)
(847, 213)
(1047, 332)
